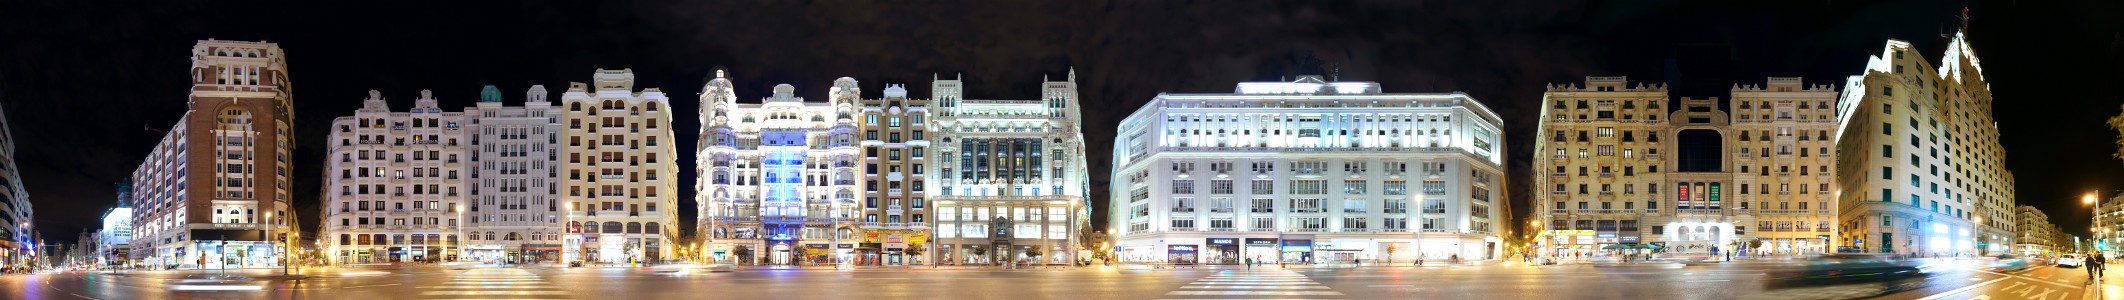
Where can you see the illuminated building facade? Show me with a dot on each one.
(395, 184)
(1921, 163)
(621, 186)
(214, 192)
(513, 214)
(1309, 171)
(1011, 175)
(894, 208)
(778, 180)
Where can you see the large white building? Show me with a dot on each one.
(621, 185)
(1920, 161)
(1308, 171)
(778, 179)
(15, 226)
(214, 191)
(1013, 181)
(395, 184)
(514, 210)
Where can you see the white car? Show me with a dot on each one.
(2069, 260)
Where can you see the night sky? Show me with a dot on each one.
(82, 81)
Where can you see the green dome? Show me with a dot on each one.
(489, 94)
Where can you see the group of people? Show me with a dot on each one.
(2093, 264)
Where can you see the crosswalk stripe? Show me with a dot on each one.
(1253, 293)
(494, 293)
(1259, 287)
(1248, 283)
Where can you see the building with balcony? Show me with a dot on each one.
(620, 190)
(1598, 167)
(1767, 164)
(894, 208)
(1012, 175)
(395, 184)
(214, 191)
(1309, 171)
(514, 211)
(1785, 167)
(778, 179)
(16, 234)
(2109, 220)
(2033, 232)
(1920, 158)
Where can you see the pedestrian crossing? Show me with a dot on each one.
(1251, 284)
(495, 283)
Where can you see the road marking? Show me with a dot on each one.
(1253, 293)
(1390, 285)
(1963, 289)
(1259, 287)
(494, 293)
(1249, 283)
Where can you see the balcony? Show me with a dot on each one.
(1310, 230)
(1434, 211)
(1262, 210)
(1182, 229)
(1261, 229)
(1221, 229)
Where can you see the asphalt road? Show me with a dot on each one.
(1944, 279)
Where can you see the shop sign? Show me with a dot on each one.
(1220, 241)
(541, 248)
(1181, 248)
(1261, 242)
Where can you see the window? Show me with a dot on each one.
(1434, 187)
(1353, 187)
(1221, 187)
(1353, 206)
(1183, 187)
(1305, 205)
(1309, 187)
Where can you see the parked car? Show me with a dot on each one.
(2069, 260)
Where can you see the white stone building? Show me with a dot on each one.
(1919, 157)
(15, 213)
(1012, 175)
(778, 179)
(514, 210)
(1308, 171)
(395, 184)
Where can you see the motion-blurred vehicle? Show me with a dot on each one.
(2009, 263)
(2069, 260)
(1842, 268)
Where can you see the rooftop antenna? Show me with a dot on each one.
(1334, 72)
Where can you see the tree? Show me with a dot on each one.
(1753, 244)
(1033, 252)
(742, 253)
(1391, 247)
(2117, 123)
(980, 252)
(913, 250)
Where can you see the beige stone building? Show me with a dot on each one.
(1621, 166)
(1785, 155)
(621, 185)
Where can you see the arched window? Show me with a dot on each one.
(634, 227)
(612, 227)
(653, 229)
(651, 106)
(490, 235)
(574, 226)
(578, 106)
(590, 227)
